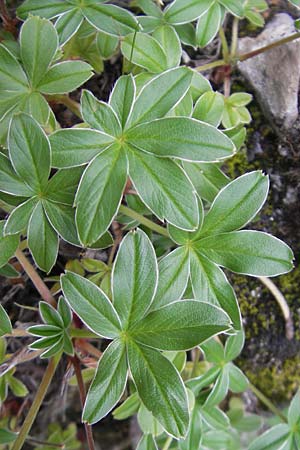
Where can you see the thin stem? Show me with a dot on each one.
(88, 348)
(82, 394)
(225, 48)
(211, 65)
(234, 40)
(72, 105)
(38, 400)
(266, 402)
(148, 223)
(260, 50)
(196, 356)
(35, 278)
(289, 327)
(34, 441)
(245, 56)
(167, 443)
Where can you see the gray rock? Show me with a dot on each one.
(274, 75)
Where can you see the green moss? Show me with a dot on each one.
(278, 382)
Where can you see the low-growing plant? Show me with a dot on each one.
(140, 174)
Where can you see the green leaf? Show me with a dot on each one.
(219, 390)
(49, 9)
(64, 312)
(122, 97)
(42, 239)
(183, 11)
(110, 18)
(29, 151)
(68, 24)
(181, 325)
(148, 423)
(50, 315)
(62, 219)
(170, 42)
(207, 179)
(272, 439)
(55, 349)
(238, 382)
(75, 146)
(8, 245)
(160, 95)
(45, 330)
(215, 418)
(234, 345)
(173, 278)
(65, 77)
(210, 284)
(164, 188)
(197, 384)
(208, 25)
(239, 99)
(236, 204)
(5, 324)
(294, 411)
(12, 76)
(181, 137)
(147, 443)
(38, 46)
(165, 395)
(144, 51)
(99, 115)
(214, 352)
(109, 383)
(249, 252)
(7, 436)
(199, 85)
(128, 408)
(17, 387)
(19, 217)
(186, 33)
(91, 305)
(10, 182)
(135, 276)
(194, 436)
(9, 271)
(106, 44)
(62, 186)
(36, 106)
(100, 193)
(209, 108)
(235, 7)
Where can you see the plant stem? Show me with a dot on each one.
(82, 394)
(72, 105)
(148, 223)
(83, 334)
(35, 278)
(289, 326)
(245, 56)
(225, 48)
(38, 400)
(260, 50)
(167, 443)
(234, 40)
(266, 402)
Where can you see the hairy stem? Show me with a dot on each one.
(35, 278)
(167, 444)
(38, 400)
(72, 105)
(82, 394)
(147, 222)
(225, 48)
(266, 402)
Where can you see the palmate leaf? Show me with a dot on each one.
(208, 25)
(21, 90)
(183, 11)
(182, 324)
(8, 245)
(110, 19)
